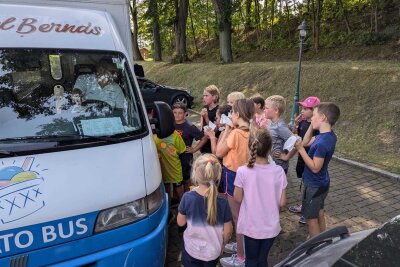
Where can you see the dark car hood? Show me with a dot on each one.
(372, 247)
(380, 248)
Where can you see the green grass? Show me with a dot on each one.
(367, 93)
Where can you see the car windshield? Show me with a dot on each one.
(380, 248)
(48, 93)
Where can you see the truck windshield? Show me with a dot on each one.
(66, 93)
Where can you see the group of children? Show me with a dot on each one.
(240, 177)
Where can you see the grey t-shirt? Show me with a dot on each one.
(280, 133)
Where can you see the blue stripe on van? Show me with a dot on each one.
(28, 238)
(146, 237)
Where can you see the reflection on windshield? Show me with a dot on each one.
(91, 94)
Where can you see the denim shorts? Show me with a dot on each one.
(227, 183)
(313, 201)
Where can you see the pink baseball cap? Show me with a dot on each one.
(309, 102)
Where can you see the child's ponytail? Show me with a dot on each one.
(209, 175)
(253, 154)
(207, 170)
(260, 144)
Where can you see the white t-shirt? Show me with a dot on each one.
(111, 93)
(259, 212)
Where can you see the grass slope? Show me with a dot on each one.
(367, 93)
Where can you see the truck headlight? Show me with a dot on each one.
(129, 212)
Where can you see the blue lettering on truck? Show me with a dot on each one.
(42, 235)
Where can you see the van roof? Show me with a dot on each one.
(33, 26)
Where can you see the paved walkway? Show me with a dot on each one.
(357, 199)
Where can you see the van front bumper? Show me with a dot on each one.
(142, 243)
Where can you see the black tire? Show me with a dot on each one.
(181, 99)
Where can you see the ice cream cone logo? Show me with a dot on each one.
(20, 192)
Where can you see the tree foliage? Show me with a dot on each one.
(264, 24)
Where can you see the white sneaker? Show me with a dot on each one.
(232, 261)
(230, 247)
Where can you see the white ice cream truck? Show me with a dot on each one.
(80, 181)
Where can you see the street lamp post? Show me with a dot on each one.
(302, 35)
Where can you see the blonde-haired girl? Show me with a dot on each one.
(234, 96)
(208, 216)
(260, 187)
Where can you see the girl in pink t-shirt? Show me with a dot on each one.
(260, 187)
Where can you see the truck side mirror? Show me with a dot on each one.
(138, 69)
(163, 119)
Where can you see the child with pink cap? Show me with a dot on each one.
(302, 122)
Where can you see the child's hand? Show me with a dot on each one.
(281, 156)
(190, 150)
(209, 132)
(299, 144)
(297, 119)
(204, 113)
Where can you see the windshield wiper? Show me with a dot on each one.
(101, 138)
(8, 153)
(61, 138)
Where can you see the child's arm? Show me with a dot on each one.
(180, 145)
(210, 133)
(222, 146)
(214, 143)
(238, 194)
(285, 157)
(204, 116)
(297, 120)
(285, 134)
(199, 145)
(308, 137)
(227, 234)
(181, 219)
(314, 164)
(282, 202)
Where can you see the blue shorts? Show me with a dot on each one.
(227, 183)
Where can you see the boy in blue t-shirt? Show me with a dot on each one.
(316, 176)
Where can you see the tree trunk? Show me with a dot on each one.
(266, 13)
(314, 21)
(318, 24)
(272, 18)
(288, 19)
(223, 10)
(137, 56)
(258, 17)
(345, 15)
(193, 31)
(247, 23)
(225, 42)
(208, 28)
(181, 9)
(153, 10)
(376, 17)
